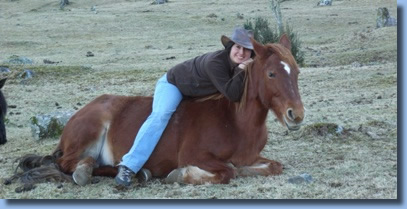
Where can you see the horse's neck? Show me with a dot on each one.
(253, 112)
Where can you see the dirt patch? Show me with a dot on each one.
(371, 130)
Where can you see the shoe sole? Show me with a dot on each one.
(120, 182)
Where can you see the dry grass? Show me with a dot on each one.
(134, 42)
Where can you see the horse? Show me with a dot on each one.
(3, 112)
(206, 141)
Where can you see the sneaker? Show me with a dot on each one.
(124, 176)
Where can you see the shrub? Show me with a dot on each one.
(264, 34)
(295, 45)
(261, 30)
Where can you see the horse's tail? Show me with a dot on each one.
(36, 169)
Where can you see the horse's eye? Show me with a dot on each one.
(271, 75)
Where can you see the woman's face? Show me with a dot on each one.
(239, 54)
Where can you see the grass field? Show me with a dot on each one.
(349, 81)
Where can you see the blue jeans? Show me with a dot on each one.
(165, 101)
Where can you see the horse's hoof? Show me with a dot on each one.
(174, 176)
(144, 175)
(82, 175)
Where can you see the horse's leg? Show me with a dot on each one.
(261, 166)
(143, 175)
(3, 138)
(215, 173)
(83, 171)
(105, 171)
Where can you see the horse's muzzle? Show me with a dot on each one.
(292, 127)
(293, 119)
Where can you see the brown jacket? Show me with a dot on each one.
(208, 74)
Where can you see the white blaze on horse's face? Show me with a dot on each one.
(286, 67)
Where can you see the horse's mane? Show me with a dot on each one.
(219, 95)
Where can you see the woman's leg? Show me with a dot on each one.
(166, 100)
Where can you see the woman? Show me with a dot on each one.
(220, 71)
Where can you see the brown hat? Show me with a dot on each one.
(239, 36)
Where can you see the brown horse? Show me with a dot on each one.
(207, 141)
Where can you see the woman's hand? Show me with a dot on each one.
(244, 64)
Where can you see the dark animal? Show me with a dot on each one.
(209, 141)
(3, 111)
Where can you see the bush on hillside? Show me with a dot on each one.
(264, 34)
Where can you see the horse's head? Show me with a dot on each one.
(277, 82)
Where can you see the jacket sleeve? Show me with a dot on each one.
(229, 84)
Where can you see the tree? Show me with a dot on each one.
(63, 3)
(264, 34)
(277, 14)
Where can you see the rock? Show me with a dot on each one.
(93, 9)
(324, 3)
(239, 16)
(49, 125)
(90, 54)
(384, 19)
(161, 1)
(4, 69)
(170, 58)
(27, 74)
(356, 64)
(339, 129)
(335, 184)
(47, 61)
(212, 15)
(372, 135)
(305, 177)
(20, 60)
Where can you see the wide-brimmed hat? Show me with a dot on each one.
(239, 36)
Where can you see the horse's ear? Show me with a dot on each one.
(2, 82)
(285, 41)
(258, 48)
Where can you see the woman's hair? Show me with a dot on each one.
(229, 45)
